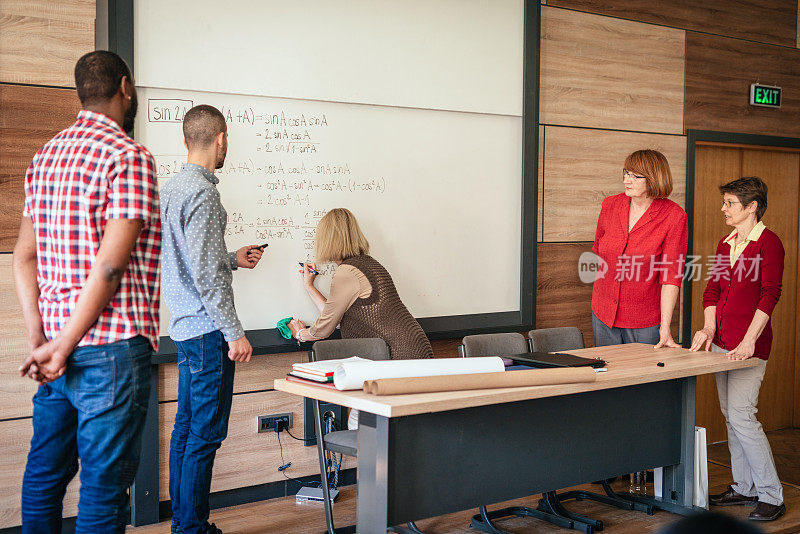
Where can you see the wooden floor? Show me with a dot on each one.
(284, 515)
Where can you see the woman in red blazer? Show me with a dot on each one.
(641, 239)
(743, 288)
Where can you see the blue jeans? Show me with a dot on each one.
(606, 335)
(205, 391)
(94, 412)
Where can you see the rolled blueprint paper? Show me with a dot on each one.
(351, 375)
(506, 379)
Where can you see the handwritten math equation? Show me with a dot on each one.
(278, 228)
(284, 171)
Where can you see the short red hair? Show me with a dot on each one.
(654, 167)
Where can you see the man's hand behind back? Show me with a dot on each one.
(47, 362)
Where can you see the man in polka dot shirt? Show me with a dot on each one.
(196, 282)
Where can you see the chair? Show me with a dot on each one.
(555, 339)
(342, 441)
(571, 338)
(508, 344)
(505, 344)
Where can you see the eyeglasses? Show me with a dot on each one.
(628, 174)
(729, 203)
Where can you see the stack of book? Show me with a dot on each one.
(321, 372)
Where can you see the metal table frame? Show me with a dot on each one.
(419, 466)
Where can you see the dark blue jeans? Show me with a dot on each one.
(94, 412)
(205, 391)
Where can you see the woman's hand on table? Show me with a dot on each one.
(706, 335)
(744, 350)
(665, 339)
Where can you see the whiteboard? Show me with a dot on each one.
(463, 55)
(437, 194)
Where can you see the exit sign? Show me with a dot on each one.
(765, 95)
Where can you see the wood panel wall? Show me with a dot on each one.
(609, 73)
(561, 298)
(15, 392)
(29, 117)
(246, 457)
(16, 438)
(719, 71)
(40, 40)
(766, 21)
(540, 194)
(584, 166)
(256, 375)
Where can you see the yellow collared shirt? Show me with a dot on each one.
(736, 250)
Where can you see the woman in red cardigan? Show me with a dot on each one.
(743, 289)
(641, 238)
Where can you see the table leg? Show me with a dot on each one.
(373, 468)
(323, 472)
(144, 490)
(678, 481)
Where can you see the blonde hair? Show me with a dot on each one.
(339, 237)
(654, 167)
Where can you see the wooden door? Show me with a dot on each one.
(780, 169)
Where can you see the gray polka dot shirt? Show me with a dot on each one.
(195, 265)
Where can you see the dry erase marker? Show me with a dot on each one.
(259, 247)
(312, 271)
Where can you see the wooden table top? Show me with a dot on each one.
(629, 364)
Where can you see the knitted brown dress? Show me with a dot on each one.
(384, 315)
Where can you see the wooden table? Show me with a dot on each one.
(429, 454)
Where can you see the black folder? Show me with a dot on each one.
(555, 359)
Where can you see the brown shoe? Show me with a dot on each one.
(731, 498)
(767, 512)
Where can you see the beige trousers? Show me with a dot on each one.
(752, 464)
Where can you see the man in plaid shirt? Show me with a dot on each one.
(86, 266)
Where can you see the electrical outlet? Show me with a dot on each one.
(267, 423)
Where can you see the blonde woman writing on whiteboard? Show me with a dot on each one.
(363, 298)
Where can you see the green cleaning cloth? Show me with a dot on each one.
(283, 327)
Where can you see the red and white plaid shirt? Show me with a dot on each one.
(87, 174)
